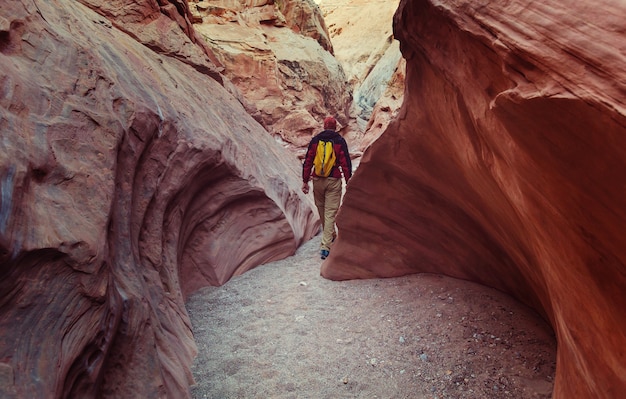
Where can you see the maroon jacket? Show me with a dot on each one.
(343, 163)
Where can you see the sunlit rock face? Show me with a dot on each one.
(279, 56)
(364, 44)
(129, 177)
(379, 97)
(506, 167)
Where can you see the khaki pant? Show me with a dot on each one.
(327, 195)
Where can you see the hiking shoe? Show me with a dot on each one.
(324, 253)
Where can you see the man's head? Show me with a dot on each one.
(330, 123)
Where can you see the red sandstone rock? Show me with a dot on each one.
(128, 178)
(506, 167)
(146, 21)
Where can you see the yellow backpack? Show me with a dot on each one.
(324, 158)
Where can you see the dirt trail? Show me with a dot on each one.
(282, 331)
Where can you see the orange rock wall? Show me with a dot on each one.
(505, 167)
(279, 56)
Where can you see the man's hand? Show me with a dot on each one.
(305, 188)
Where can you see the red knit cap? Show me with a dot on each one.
(330, 123)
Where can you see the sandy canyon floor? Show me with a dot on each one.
(282, 331)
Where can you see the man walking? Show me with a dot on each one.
(327, 190)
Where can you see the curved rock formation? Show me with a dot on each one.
(128, 178)
(505, 167)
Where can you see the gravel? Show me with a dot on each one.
(282, 331)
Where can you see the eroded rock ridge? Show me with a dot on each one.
(279, 56)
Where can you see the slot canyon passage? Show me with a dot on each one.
(155, 243)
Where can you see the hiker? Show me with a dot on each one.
(325, 168)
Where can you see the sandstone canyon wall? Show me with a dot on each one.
(506, 167)
(364, 44)
(130, 175)
(279, 56)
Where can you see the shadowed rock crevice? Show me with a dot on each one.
(211, 234)
(24, 282)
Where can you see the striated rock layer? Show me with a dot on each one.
(279, 56)
(506, 167)
(129, 177)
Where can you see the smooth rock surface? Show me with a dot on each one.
(129, 177)
(505, 167)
